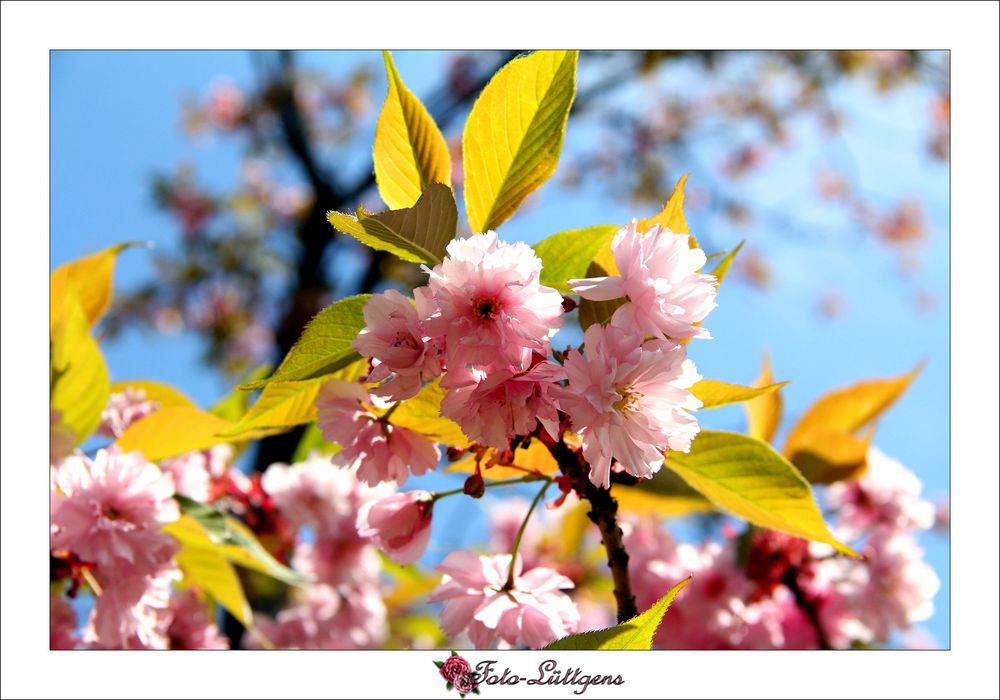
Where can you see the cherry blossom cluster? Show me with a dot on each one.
(106, 515)
(787, 593)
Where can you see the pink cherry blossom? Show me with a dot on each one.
(133, 611)
(335, 561)
(534, 610)
(888, 493)
(109, 511)
(190, 625)
(492, 407)
(379, 450)
(194, 472)
(62, 623)
(327, 617)
(399, 524)
(124, 408)
(490, 305)
(629, 400)
(395, 340)
(319, 495)
(659, 275)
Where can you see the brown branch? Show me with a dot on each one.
(603, 513)
(808, 607)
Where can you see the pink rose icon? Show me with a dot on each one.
(465, 682)
(453, 667)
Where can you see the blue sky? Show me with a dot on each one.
(115, 119)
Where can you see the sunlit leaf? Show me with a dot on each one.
(163, 394)
(410, 152)
(849, 409)
(422, 414)
(92, 276)
(665, 494)
(636, 633)
(325, 344)
(722, 268)
(312, 440)
(234, 405)
(825, 456)
(714, 393)
(204, 565)
(174, 430)
(280, 406)
(672, 214)
(533, 459)
(79, 384)
(418, 234)
(746, 477)
(514, 134)
(764, 412)
(567, 255)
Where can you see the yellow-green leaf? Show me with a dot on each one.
(410, 152)
(665, 494)
(174, 430)
(714, 393)
(325, 344)
(672, 216)
(79, 383)
(567, 255)
(825, 455)
(636, 633)
(514, 134)
(722, 268)
(161, 393)
(418, 234)
(851, 408)
(422, 414)
(205, 566)
(281, 405)
(92, 277)
(746, 477)
(248, 552)
(233, 406)
(764, 412)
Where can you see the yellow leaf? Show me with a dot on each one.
(79, 382)
(174, 430)
(204, 565)
(714, 393)
(750, 480)
(422, 414)
(722, 269)
(825, 455)
(410, 152)
(535, 458)
(92, 277)
(638, 501)
(672, 215)
(281, 405)
(849, 409)
(514, 134)
(764, 412)
(163, 394)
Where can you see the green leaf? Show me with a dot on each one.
(514, 134)
(233, 406)
(312, 440)
(419, 234)
(723, 267)
(325, 345)
(410, 152)
(749, 479)
(714, 393)
(422, 414)
(567, 255)
(636, 633)
(79, 382)
(236, 542)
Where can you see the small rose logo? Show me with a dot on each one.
(458, 674)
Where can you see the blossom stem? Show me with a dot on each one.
(520, 533)
(603, 513)
(491, 484)
(385, 416)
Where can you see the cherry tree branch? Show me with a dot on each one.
(604, 514)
